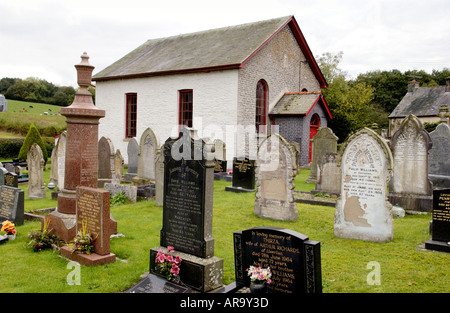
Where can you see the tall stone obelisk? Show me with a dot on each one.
(81, 165)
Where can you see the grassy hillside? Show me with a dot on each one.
(31, 107)
(21, 114)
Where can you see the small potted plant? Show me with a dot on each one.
(83, 241)
(42, 240)
(168, 265)
(10, 229)
(259, 278)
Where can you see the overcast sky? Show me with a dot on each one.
(45, 38)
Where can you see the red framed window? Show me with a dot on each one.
(186, 108)
(261, 106)
(131, 115)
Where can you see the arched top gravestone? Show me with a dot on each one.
(410, 145)
(363, 211)
(35, 161)
(275, 180)
(148, 146)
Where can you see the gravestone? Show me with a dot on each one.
(410, 187)
(187, 211)
(159, 178)
(363, 212)
(438, 157)
(243, 175)
(11, 179)
(106, 161)
(35, 161)
(93, 210)
(325, 141)
(3, 104)
(3, 171)
(10, 167)
(129, 191)
(133, 159)
(440, 225)
(294, 260)
(296, 148)
(275, 180)
(81, 158)
(328, 175)
(12, 205)
(118, 167)
(53, 170)
(155, 284)
(147, 156)
(61, 157)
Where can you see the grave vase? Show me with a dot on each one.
(258, 288)
(11, 236)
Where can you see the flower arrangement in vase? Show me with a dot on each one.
(83, 241)
(168, 265)
(10, 229)
(259, 278)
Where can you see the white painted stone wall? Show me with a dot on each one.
(214, 98)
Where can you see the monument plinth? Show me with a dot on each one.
(81, 163)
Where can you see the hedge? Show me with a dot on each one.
(10, 147)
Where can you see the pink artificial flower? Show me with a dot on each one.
(169, 258)
(160, 257)
(175, 269)
(177, 260)
(170, 248)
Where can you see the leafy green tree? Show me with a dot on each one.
(33, 136)
(349, 101)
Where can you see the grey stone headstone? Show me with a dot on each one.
(133, 159)
(439, 157)
(106, 155)
(363, 212)
(35, 161)
(325, 141)
(129, 191)
(328, 175)
(409, 186)
(275, 180)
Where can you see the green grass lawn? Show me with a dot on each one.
(403, 267)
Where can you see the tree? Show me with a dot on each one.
(349, 101)
(33, 136)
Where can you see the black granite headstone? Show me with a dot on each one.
(243, 176)
(440, 230)
(187, 202)
(11, 179)
(293, 259)
(12, 205)
(154, 284)
(220, 166)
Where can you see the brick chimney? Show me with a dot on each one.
(413, 85)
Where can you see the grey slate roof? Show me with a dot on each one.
(206, 49)
(299, 103)
(424, 101)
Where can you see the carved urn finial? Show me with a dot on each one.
(84, 71)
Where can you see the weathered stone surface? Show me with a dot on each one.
(106, 161)
(35, 161)
(363, 211)
(328, 175)
(133, 159)
(275, 180)
(129, 191)
(325, 141)
(409, 186)
(438, 157)
(147, 156)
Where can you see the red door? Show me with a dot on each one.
(313, 127)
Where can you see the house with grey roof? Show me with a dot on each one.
(423, 102)
(213, 81)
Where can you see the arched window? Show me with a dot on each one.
(261, 106)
